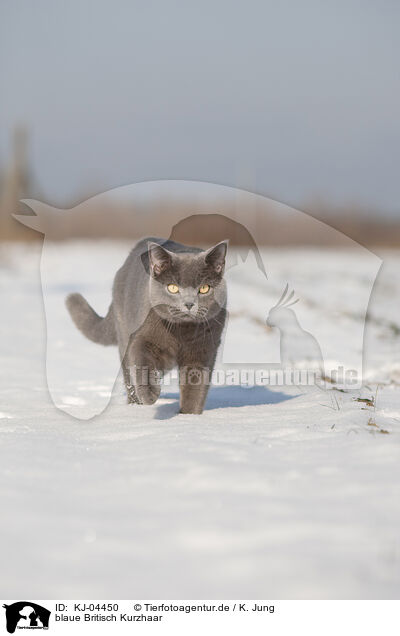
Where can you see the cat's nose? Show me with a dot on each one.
(189, 305)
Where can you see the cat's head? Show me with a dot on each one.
(187, 286)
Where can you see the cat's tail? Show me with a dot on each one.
(93, 326)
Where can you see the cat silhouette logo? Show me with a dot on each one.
(26, 615)
(314, 334)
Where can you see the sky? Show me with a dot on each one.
(294, 100)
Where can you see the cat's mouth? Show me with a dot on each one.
(188, 316)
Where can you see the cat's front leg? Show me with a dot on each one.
(194, 381)
(145, 371)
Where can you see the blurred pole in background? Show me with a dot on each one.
(16, 184)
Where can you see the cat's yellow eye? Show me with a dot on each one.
(173, 289)
(204, 289)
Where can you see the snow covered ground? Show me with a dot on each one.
(274, 492)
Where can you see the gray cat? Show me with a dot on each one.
(168, 309)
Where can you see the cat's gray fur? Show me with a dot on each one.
(156, 330)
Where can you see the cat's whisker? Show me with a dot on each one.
(217, 321)
(210, 328)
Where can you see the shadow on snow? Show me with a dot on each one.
(224, 397)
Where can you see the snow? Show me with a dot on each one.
(274, 492)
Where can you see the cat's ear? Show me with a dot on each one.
(215, 256)
(159, 259)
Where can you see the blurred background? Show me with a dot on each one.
(295, 101)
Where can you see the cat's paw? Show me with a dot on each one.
(131, 395)
(191, 410)
(147, 393)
